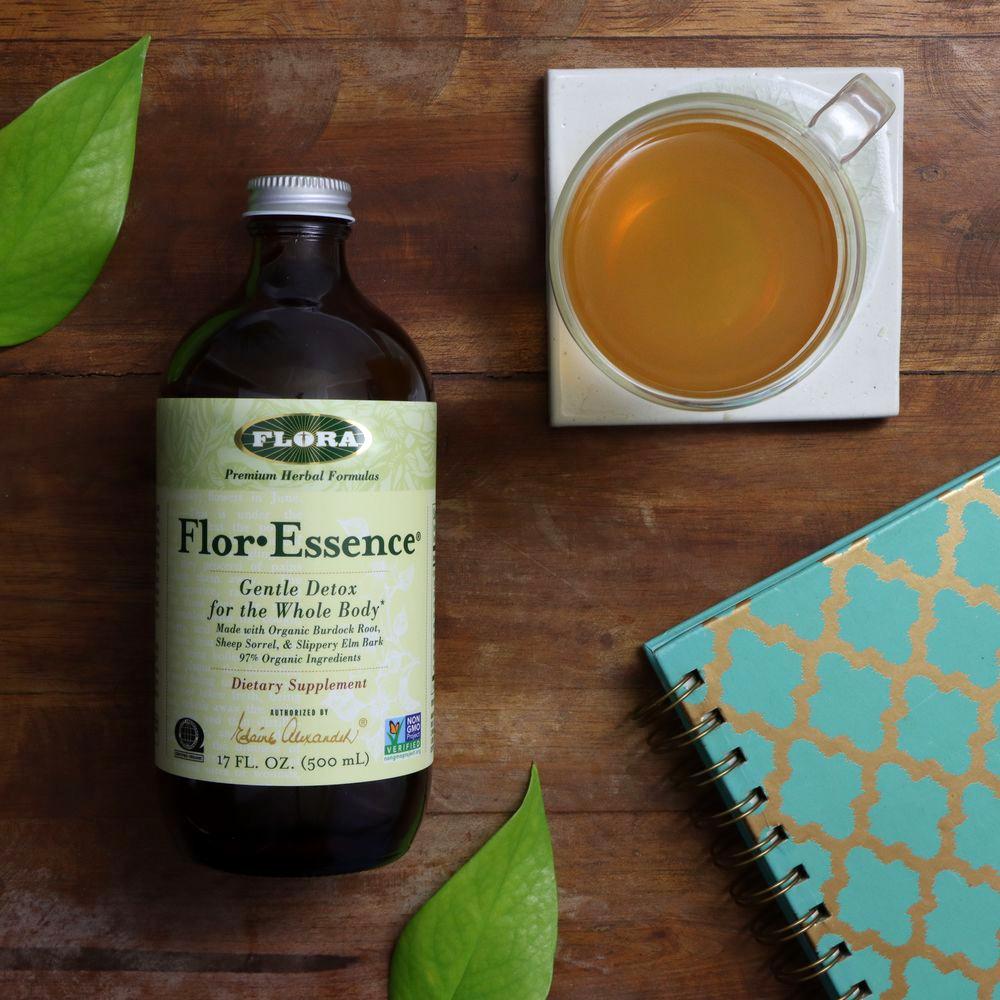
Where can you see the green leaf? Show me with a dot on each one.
(65, 167)
(489, 933)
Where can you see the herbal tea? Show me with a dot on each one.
(700, 257)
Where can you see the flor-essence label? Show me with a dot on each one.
(295, 589)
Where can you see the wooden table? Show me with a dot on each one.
(559, 550)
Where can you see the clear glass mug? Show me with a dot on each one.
(822, 146)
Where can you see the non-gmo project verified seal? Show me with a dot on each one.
(402, 735)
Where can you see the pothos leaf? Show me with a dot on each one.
(65, 168)
(489, 933)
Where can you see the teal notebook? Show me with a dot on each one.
(848, 710)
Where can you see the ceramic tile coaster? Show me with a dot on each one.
(860, 377)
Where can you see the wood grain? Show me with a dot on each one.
(407, 123)
(557, 555)
(531, 516)
(559, 550)
(115, 915)
(364, 19)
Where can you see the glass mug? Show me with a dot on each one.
(708, 251)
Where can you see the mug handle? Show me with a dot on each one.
(851, 117)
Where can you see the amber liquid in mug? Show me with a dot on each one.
(700, 258)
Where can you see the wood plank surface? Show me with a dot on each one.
(560, 19)
(559, 551)
(449, 186)
(116, 915)
(545, 520)
(551, 571)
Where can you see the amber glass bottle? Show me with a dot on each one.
(295, 561)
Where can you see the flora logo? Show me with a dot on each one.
(303, 438)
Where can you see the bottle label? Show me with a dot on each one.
(295, 590)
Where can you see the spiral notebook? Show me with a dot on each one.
(848, 710)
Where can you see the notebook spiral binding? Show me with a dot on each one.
(741, 860)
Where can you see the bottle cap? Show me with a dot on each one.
(290, 194)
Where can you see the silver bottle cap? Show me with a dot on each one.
(290, 194)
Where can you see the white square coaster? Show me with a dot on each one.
(860, 376)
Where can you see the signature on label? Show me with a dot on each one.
(247, 735)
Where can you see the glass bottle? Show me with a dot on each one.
(284, 519)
